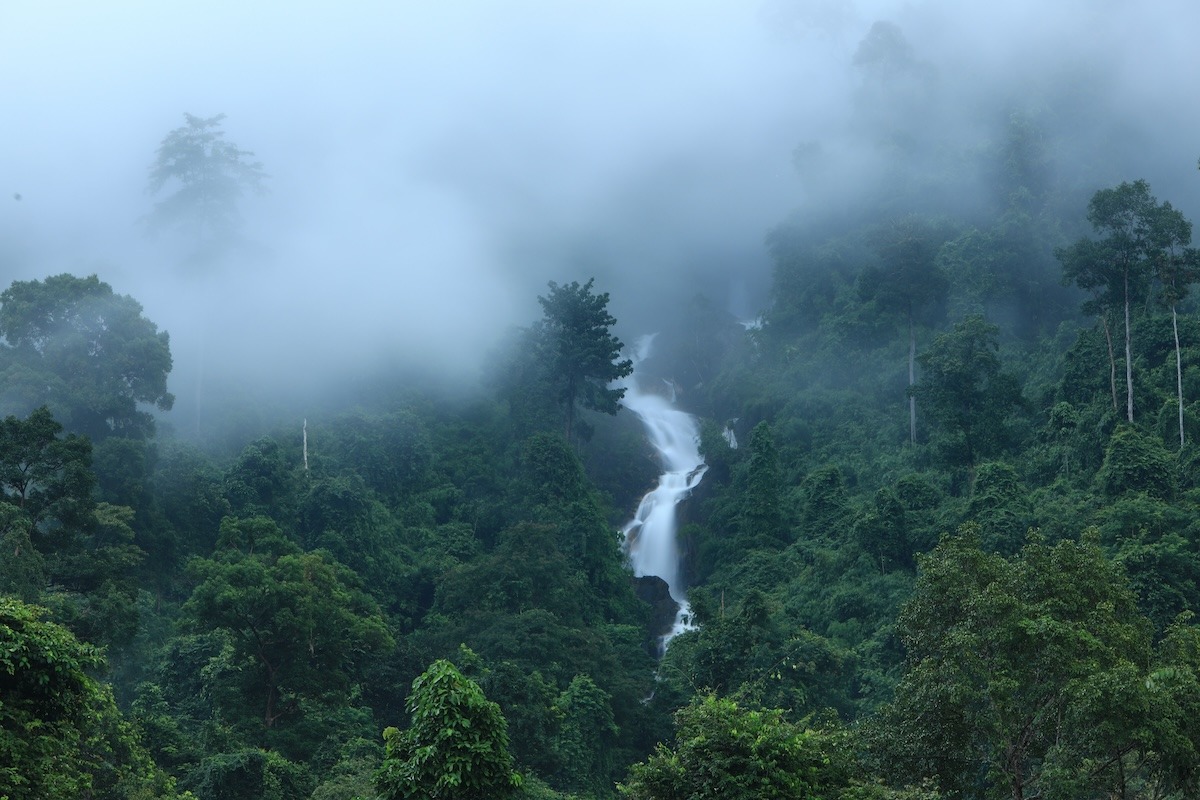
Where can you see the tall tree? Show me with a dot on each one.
(1118, 267)
(84, 351)
(210, 175)
(1177, 267)
(907, 282)
(582, 354)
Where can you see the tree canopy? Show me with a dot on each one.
(87, 353)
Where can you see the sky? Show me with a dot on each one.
(433, 165)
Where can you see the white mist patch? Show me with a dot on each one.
(650, 537)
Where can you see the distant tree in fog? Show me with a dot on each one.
(582, 355)
(209, 175)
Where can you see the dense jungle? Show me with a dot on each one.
(946, 544)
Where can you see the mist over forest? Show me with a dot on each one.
(432, 167)
(783, 398)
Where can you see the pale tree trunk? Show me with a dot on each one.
(1178, 372)
(912, 380)
(1112, 359)
(1128, 357)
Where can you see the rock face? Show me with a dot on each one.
(653, 590)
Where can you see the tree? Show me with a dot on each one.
(1034, 676)
(456, 747)
(964, 390)
(586, 738)
(1177, 267)
(582, 356)
(298, 621)
(725, 751)
(907, 282)
(89, 354)
(211, 174)
(45, 475)
(61, 735)
(1137, 234)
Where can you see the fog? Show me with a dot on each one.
(434, 164)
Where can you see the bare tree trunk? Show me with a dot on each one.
(1112, 359)
(912, 379)
(1128, 357)
(1178, 372)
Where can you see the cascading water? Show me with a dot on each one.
(650, 536)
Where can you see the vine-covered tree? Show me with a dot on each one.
(210, 175)
(456, 747)
(86, 352)
(583, 357)
(761, 522)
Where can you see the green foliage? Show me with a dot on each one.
(44, 474)
(1026, 676)
(825, 511)
(883, 531)
(761, 520)
(999, 507)
(87, 353)
(61, 735)
(723, 750)
(964, 391)
(585, 742)
(250, 774)
(96, 579)
(456, 747)
(22, 568)
(300, 628)
(1140, 240)
(263, 482)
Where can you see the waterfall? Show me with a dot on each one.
(650, 536)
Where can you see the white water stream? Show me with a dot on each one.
(650, 537)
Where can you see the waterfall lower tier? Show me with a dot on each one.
(650, 537)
